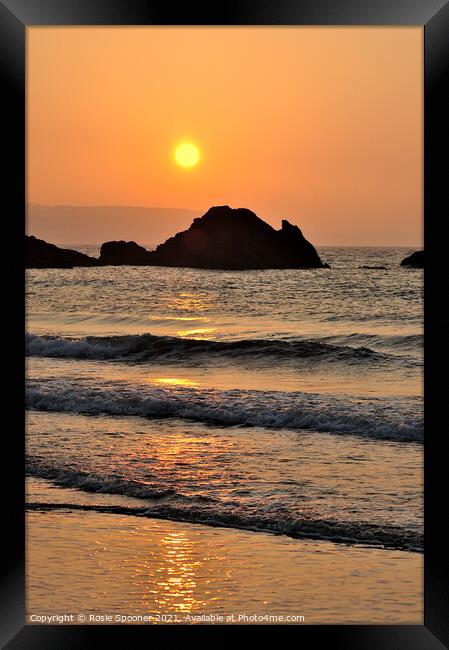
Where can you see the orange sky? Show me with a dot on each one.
(322, 126)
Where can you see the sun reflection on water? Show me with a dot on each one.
(198, 333)
(203, 319)
(173, 381)
(190, 301)
(176, 578)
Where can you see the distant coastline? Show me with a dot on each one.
(64, 224)
(68, 223)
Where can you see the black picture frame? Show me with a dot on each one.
(433, 15)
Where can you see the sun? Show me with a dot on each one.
(187, 154)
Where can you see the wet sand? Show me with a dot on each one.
(92, 564)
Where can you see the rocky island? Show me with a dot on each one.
(120, 253)
(414, 261)
(224, 238)
(39, 254)
(237, 239)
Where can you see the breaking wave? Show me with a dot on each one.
(168, 504)
(382, 418)
(351, 349)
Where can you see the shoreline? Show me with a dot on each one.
(161, 568)
(145, 513)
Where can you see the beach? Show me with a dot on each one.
(151, 571)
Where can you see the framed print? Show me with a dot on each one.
(233, 421)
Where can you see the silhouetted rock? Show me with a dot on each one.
(415, 260)
(223, 238)
(118, 253)
(237, 239)
(39, 254)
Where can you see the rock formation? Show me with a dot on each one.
(415, 260)
(41, 255)
(223, 238)
(118, 253)
(237, 239)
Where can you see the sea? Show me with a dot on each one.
(276, 401)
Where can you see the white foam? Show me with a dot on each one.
(397, 419)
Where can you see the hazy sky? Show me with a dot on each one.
(322, 126)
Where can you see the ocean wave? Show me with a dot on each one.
(168, 504)
(170, 349)
(397, 343)
(375, 535)
(397, 419)
(72, 478)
